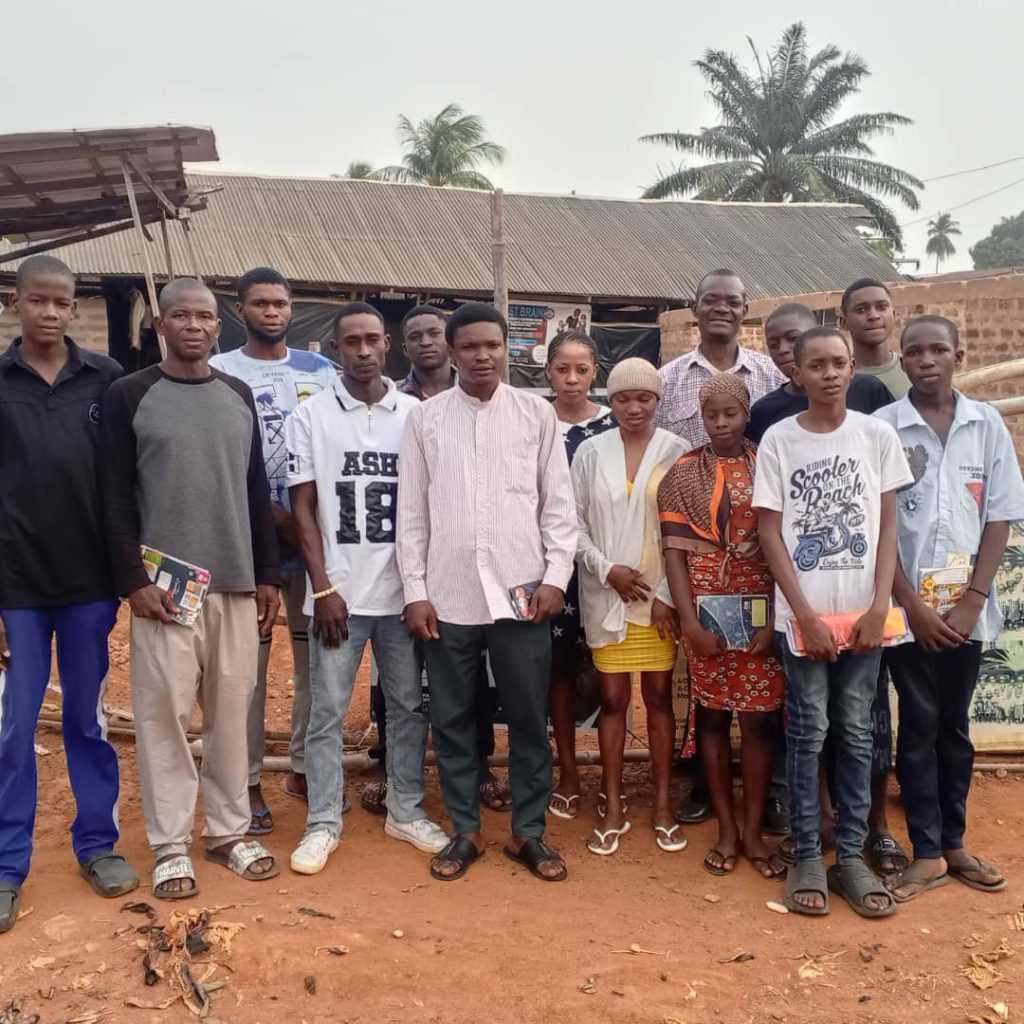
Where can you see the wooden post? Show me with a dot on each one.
(186, 230)
(150, 283)
(499, 258)
(167, 247)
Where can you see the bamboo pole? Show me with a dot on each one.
(989, 374)
(499, 259)
(150, 283)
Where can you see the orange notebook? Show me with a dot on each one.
(896, 631)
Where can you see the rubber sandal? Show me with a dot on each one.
(855, 882)
(240, 859)
(496, 795)
(602, 837)
(694, 809)
(461, 851)
(807, 876)
(109, 874)
(566, 812)
(261, 823)
(172, 869)
(602, 804)
(883, 845)
(304, 797)
(787, 850)
(718, 870)
(374, 797)
(532, 854)
(776, 874)
(960, 875)
(663, 837)
(894, 882)
(9, 917)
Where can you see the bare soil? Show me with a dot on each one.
(500, 945)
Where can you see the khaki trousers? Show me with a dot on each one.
(214, 661)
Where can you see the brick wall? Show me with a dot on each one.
(989, 313)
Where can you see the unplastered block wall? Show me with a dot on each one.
(89, 328)
(989, 313)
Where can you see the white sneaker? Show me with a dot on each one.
(424, 834)
(310, 856)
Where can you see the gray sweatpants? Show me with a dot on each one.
(214, 661)
(293, 596)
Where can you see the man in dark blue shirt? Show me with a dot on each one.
(54, 580)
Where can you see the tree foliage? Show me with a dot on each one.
(444, 150)
(940, 241)
(1003, 246)
(778, 139)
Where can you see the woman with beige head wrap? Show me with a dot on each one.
(629, 625)
(709, 536)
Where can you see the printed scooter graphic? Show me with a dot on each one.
(820, 539)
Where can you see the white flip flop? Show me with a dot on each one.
(663, 837)
(602, 838)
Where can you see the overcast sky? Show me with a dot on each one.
(566, 86)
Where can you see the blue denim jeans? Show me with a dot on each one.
(332, 677)
(820, 696)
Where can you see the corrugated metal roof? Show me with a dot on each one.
(340, 233)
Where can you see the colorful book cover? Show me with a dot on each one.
(942, 588)
(521, 596)
(186, 583)
(895, 631)
(736, 618)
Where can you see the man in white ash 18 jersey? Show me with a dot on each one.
(343, 449)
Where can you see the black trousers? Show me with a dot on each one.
(520, 657)
(934, 753)
(484, 710)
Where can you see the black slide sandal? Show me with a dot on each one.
(461, 851)
(532, 854)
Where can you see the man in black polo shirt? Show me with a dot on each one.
(54, 579)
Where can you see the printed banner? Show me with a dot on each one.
(532, 325)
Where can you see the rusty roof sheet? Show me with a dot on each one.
(345, 234)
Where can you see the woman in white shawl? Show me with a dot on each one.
(627, 615)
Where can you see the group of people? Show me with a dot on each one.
(483, 533)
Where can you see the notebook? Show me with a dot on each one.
(736, 618)
(186, 583)
(895, 631)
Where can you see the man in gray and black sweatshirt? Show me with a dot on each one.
(183, 473)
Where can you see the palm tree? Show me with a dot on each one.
(359, 169)
(444, 150)
(778, 140)
(940, 244)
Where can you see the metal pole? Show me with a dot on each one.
(499, 258)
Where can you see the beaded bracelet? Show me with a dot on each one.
(325, 593)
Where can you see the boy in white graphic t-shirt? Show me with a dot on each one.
(825, 491)
(343, 449)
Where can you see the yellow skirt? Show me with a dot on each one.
(642, 651)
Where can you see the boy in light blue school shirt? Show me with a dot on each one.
(967, 490)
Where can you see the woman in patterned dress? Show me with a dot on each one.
(571, 368)
(709, 534)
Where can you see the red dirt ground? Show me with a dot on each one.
(499, 945)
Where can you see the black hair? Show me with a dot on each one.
(261, 275)
(791, 309)
(474, 313)
(182, 286)
(719, 272)
(571, 338)
(423, 311)
(930, 320)
(36, 266)
(353, 309)
(818, 332)
(858, 285)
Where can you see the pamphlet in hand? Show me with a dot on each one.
(942, 588)
(521, 596)
(186, 583)
(736, 618)
(895, 631)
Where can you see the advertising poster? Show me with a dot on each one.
(531, 325)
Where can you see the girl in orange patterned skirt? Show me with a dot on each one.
(709, 535)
